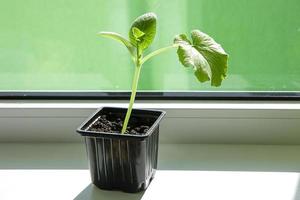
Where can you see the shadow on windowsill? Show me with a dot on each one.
(92, 192)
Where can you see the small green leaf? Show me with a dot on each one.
(145, 24)
(207, 57)
(121, 39)
(137, 33)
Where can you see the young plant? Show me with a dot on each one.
(202, 53)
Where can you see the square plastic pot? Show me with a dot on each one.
(122, 161)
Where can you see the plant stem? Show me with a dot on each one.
(133, 91)
(138, 65)
(158, 51)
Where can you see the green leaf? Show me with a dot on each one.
(182, 39)
(204, 55)
(145, 24)
(121, 39)
(137, 33)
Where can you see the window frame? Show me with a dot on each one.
(209, 122)
(153, 95)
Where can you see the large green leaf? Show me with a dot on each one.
(143, 30)
(121, 39)
(207, 57)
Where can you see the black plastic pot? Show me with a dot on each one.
(122, 161)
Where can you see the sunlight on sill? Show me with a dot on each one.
(42, 184)
(167, 184)
(217, 185)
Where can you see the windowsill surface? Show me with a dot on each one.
(235, 172)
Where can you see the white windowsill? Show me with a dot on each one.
(231, 160)
(210, 122)
(60, 171)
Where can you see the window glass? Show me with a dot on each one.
(52, 45)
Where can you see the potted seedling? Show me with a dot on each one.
(122, 144)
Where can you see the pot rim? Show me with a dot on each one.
(96, 134)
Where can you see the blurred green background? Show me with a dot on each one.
(52, 44)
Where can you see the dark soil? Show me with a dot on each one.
(112, 123)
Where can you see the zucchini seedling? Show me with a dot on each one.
(201, 52)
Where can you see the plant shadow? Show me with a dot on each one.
(92, 192)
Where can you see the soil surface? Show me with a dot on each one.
(112, 123)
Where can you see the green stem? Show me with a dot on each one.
(139, 62)
(133, 91)
(158, 51)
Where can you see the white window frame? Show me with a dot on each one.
(209, 122)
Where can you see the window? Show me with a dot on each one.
(52, 45)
